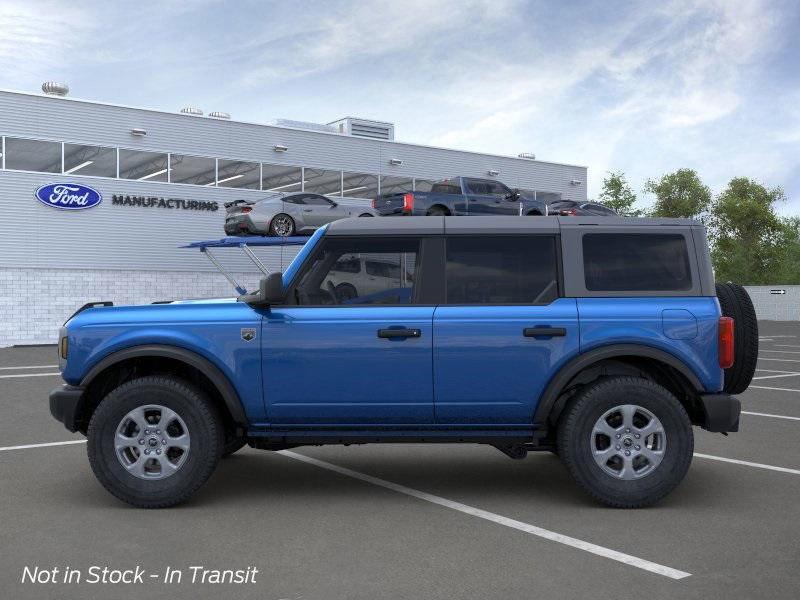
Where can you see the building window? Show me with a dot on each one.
(325, 182)
(396, 185)
(238, 174)
(143, 166)
(196, 170)
(359, 185)
(423, 185)
(33, 155)
(90, 160)
(280, 178)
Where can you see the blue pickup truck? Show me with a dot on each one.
(461, 196)
(601, 339)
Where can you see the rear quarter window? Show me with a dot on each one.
(636, 262)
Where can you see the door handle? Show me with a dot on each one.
(307, 210)
(399, 333)
(544, 332)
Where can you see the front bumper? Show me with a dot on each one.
(721, 412)
(65, 404)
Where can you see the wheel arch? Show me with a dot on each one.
(659, 365)
(123, 364)
(444, 207)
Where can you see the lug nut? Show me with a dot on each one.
(637, 435)
(164, 442)
(147, 451)
(618, 436)
(158, 451)
(158, 431)
(146, 431)
(141, 441)
(627, 452)
(638, 447)
(618, 446)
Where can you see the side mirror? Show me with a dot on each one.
(514, 195)
(270, 291)
(334, 204)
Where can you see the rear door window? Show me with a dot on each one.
(501, 270)
(636, 262)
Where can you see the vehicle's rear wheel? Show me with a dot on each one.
(282, 225)
(437, 211)
(626, 440)
(154, 441)
(366, 215)
(735, 303)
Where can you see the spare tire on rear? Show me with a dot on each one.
(735, 303)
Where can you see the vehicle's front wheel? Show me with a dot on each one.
(154, 441)
(626, 440)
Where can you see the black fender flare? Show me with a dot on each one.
(577, 364)
(205, 366)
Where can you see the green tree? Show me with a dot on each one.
(679, 195)
(751, 244)
(618, 195)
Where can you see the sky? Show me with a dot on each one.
(639, 87)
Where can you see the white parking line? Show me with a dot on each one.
(781, 351)
(779, 336)
(787, 346)
(28, 375)
(779, 359)
(757, 414)
(495, 518)
(774, 376)
(763, 387)
(748, 464)
(29, 367)
(26, 446)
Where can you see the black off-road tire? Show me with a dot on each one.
(202, 421)
(735, 303)
(575, 435)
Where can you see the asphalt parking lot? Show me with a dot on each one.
(412, 521)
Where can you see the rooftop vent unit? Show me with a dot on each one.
(303, 125)
(527, 155)
(219, 115)
(53, 88)
(192, 110)
(376, 130)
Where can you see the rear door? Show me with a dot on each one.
(504, 329)
(352, 351)
(487, 198)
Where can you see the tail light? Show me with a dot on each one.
(408, 202)
(246, 209)
(568, 213)
(725, 342)
(374, 201)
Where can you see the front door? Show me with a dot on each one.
(319, 210)
(490, 198)
(352, 349)
(503, 330)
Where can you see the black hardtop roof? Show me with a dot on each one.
(490, 225)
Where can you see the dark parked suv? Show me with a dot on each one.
(601, 339)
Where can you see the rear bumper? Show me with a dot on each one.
(65, 402)
(721, 412)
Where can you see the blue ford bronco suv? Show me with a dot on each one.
(603, 340)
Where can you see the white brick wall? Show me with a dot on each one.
(34, 303)
(776, 307)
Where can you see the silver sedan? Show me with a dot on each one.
(287, 214)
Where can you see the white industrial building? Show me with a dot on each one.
(164, 177)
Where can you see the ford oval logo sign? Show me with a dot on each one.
(68, 196)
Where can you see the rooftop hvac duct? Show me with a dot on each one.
(527, 155)
(219, 115)
(192, 110)
(53, 88)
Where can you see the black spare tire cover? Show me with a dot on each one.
(735, 303)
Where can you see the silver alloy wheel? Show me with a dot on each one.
(152, 442)
(628, 442)
(282, 225)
